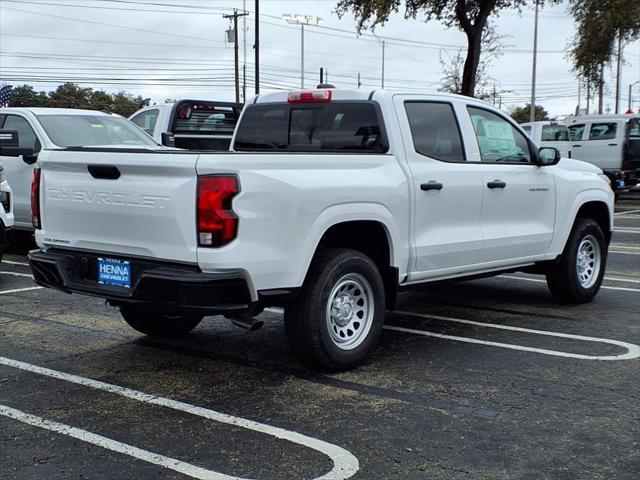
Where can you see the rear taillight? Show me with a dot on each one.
(310, 96)
(217, 223)
(35, 199)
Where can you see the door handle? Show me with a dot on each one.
(576, 146)
(496, 184)
(105, 172)
(612, 145)
(431, 185)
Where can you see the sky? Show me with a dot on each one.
(177, 49)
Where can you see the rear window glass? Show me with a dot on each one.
(435, 131)
(555, 133)
(634, 128)
(205, 119)
(336, 126)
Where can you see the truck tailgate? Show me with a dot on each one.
(147, 211)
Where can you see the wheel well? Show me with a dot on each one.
(599, 212)
(370, 238)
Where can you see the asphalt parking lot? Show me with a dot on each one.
(486, 379)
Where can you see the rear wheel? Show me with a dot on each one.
(577, 277)
(338, 316)
(156, 323)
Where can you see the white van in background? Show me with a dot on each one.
(612, 142)
(549, 134)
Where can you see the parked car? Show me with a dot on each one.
(190, 124)
(549, 134)
(6, 212)
(41, 129)
(612, 142)
(330, 202)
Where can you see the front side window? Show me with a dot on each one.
(435, 131)
(575, 132)
(498, 140)
(555, 133)
(147, 120)
(603, 131)
(93, 131)
(335, 127)
(27, 136)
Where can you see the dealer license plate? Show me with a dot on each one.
(114, 272)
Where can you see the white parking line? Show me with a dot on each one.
(10, 262)
(633, 351)
(627, 212)
(539, 280)
(345, 465)
(18, 290)
(624, 253)
(626, 230)
(104, 442)
(16, 274)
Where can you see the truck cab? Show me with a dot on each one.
(190, 124)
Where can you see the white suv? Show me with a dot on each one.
(6, 211)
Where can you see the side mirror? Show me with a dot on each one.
(9, 147)
(168, 139)
(548, 156)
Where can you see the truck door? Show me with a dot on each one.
(19, 173)
(447, 191)
(519, 200)
(604, 144)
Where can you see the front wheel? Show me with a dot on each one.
(156, 323)
(338, 315)
(577, 277)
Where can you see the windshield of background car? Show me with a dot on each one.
(205, 119)
(315, 127)
(93, 131)
(555, 133)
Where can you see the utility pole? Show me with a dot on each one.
(234, 17)
(619, 71)
(532, 108)
(244, 52)
(382, 63)
(321, 75)
(302, 20)
(630, 91)
(601, 89)
(588, 96)
(256, 46)
(579, 97)
(360, 84)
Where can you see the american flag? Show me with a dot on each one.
(5, 95)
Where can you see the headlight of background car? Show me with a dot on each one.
(605, 178)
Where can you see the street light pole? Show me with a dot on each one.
(532, 109)
(301, 20)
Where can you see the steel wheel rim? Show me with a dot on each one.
(588, 261)
(350, 311)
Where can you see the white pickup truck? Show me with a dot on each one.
(330, 203)
(6, 212)
(190, 124)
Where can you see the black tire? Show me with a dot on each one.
(563, 277)
(156, 323)
(311, 327)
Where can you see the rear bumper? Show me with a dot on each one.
(165, 285)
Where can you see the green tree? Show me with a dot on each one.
(522, 115)
(70, 95)
(469, 16)
(125, 104)
(26, 96)
(599, 24)
(100, 100)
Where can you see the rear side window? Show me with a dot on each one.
(575, 132)
(335, 127)
(205, 119)
(147, 120)
(603, 131)
(435, 131)
(555, 133)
